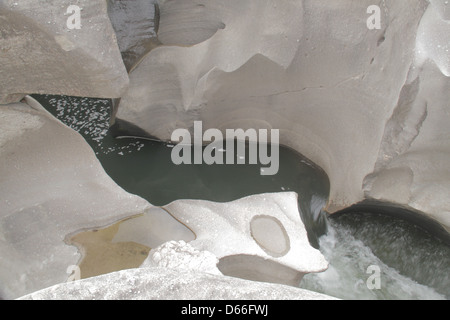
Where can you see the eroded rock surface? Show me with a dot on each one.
(51, 185)
(170, 284)
(412, 166)
(260, 237)
(42, 53)
(135, 24)
(361, 103)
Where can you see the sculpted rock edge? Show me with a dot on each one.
(41, 53)
(171, 284)
(51, 185)
(367, 107)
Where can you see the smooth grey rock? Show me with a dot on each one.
(259, 237)
(443, 6)
(190, 22)
(153, 229)
(52, 185)
(41, 54)
(370, 108)
(419, 176)
(11, 98)
(412, 167)
(136, 24)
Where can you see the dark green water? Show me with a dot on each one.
(413, 263)
(144, 167)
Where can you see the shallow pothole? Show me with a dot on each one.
(270, 234)
(101, 256)
(127, 243)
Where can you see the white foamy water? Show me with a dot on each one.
(349, 275)
(90, 117)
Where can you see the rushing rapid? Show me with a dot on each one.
(374, 256)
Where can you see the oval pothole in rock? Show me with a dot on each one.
(270, 234)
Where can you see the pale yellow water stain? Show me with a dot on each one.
(100, 255)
